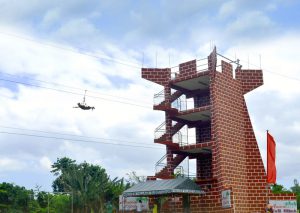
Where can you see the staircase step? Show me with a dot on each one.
(178, 159)
(167, 143)
(164, 106)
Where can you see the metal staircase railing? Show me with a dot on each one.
(177, 137)
(159, 98)
(162, 164)
(160, 130)
(177, 104)
(181, 139)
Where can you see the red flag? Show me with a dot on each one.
(271, 155)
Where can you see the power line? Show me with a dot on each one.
(71, 87)
(70, 50)
(73, 93)
(74, 140)
(284, 76)
(68, 134)
(275, 73)
(115, 60)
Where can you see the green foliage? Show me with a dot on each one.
(14, 198)
(61, 203)
(296, 189)
(277, 188)
(89, 185)
(116, 188)
(42, 199)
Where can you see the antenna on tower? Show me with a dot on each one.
(143, 60)
(259, 61)
(156, 59)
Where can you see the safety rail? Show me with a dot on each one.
(159, 98)
(181, 104)
(177, 137)
(201, 66)
(160, 130)
(190, 176)
(177, 104)
(236, 63)
(162, 164)
(180, 139)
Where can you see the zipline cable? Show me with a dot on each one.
(70, 50)
(75, 140)
(68, 134)
(73, 93)
(70, 87)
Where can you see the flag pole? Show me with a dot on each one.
(267, 184)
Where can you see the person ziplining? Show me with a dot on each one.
(83, 105)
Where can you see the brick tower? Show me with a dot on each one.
(226, 151)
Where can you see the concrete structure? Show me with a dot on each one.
(225, 149)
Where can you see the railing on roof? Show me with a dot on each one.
(236, 63)
(201, 66)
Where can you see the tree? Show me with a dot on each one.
(16, 199)
(61, 203)
(88, 184)
(296, 189)
(116, 188)
(61, 166)
(277, 188)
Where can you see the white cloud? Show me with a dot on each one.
(252, 23)
(227, 9)
(278, 60)
(9, 164)
(46, 163)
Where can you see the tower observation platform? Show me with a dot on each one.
(207, 96)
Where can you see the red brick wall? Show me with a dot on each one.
(250, 79)
(159, 76)
(227, 104)
(236, 159)
(187, 68)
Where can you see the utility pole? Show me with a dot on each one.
(48, 203)
(72, 202)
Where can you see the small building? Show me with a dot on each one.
(166, 192)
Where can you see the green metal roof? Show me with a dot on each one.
(161, 187)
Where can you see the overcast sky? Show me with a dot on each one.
(51, 51)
